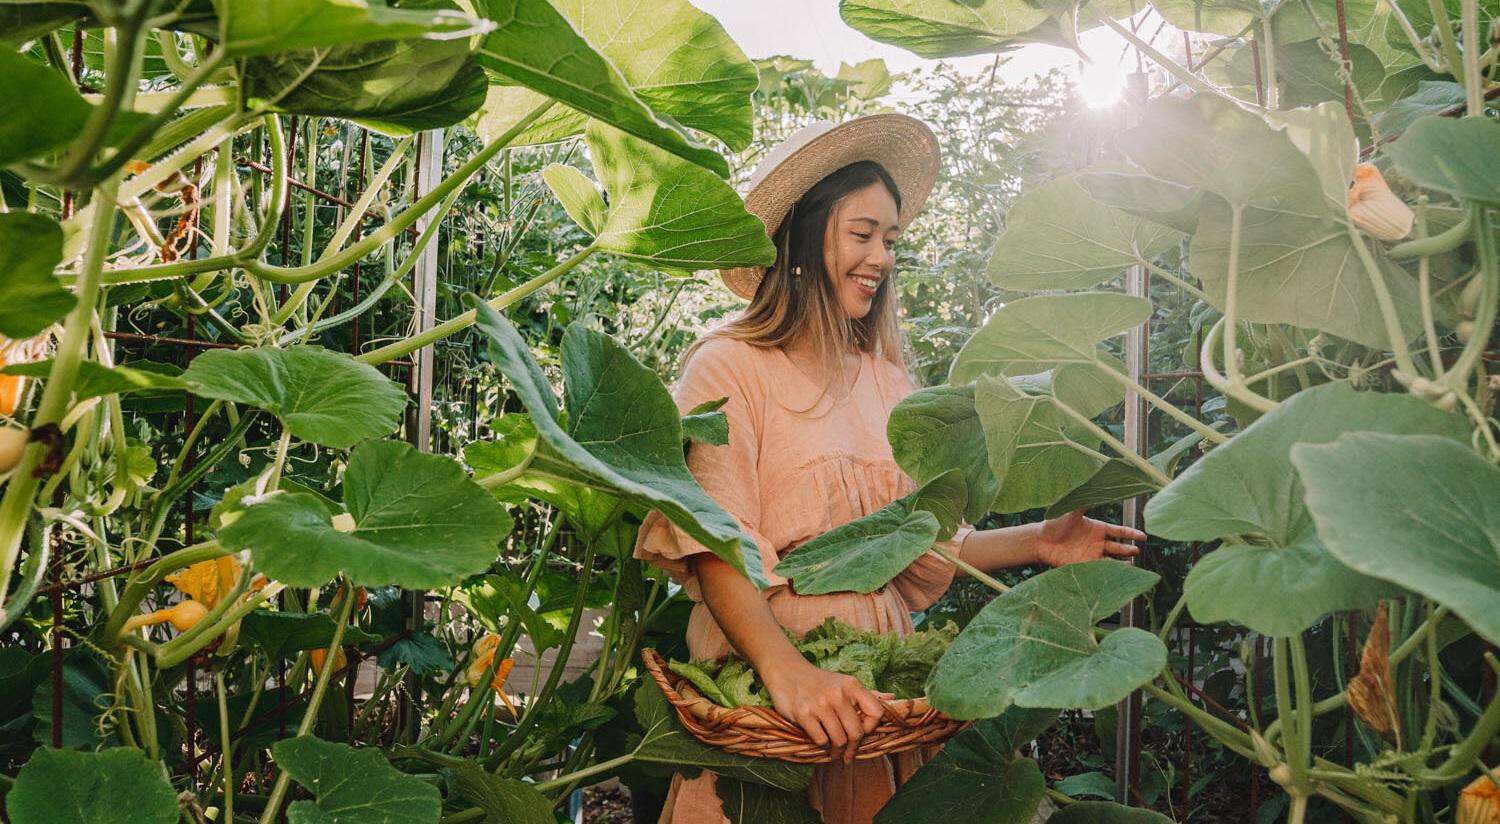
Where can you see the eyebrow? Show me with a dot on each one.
(872, 222)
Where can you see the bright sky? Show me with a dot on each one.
(812, 29)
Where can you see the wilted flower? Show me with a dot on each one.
(1374, 209)
(1479, 803)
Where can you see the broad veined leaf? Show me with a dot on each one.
(1106, 812)
(1249, 487)
(1036, 450)
(322, 396)
(704, 423)
(977, 777)
(24, 20)
(1224, 17)
(867, 79)
(1325, 137)
(254, 27)
(498, 599)
(31, 298)
(671, 213)
(396, 86)
(1127, 187)
(664, 741)
(537, 47)
(1035, 334)
(1416, 510)
(578, 196)
(745, 802)
(862, 555)
(505, 800)
(943, 29)
(419, 522)
(421, 653)
(95, 379)
(1460, 157)
(1431, 97)
(944, 497)
(1034, 646)
(1117, 480)
(70, 787)
(935, 430)
(1307, 75)
(353, 785)
(279, 634)
(679, 61)
(1058, 237)
(506, 103)
(41, 112)
(624, 433)
(1291, 24)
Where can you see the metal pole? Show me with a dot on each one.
(1128, 731)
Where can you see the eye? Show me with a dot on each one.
(863, 236)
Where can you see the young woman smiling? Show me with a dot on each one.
(811, 369)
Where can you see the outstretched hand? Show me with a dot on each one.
(1073, 538)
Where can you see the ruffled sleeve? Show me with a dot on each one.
(721, 368)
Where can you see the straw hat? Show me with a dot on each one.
(902, 145)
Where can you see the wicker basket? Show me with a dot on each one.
(765, 733)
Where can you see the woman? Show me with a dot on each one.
(812, 369)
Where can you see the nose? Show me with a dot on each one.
(883, 259)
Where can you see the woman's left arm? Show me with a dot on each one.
(1068, 539)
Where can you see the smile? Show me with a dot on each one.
(869, 284)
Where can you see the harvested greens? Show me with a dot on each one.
(897, 664)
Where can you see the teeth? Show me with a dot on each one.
(869, 282)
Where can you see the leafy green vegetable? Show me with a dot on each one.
(695, 675)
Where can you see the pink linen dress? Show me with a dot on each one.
(796, 465)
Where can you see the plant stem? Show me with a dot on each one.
(1268, 42)
(184, 646)
(1146, 467)
(1209, 433)
(1462, 756)
(1387, 306)
(1444, 28)
(407, 345)
(972, 571)
(310, 717)
(1175, 280)
(1291, 732)
(140, 585)
(1177, 70)
(587, 772)
(1217, 380)
(1223, 732)
(1489, 299)
(226, 747)
(1424, 293)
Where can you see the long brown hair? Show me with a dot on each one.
(796, 298)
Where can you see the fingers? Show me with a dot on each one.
(1120, 550)
(1124, 532)
(870, 709)
(853, 729)
(814, 729)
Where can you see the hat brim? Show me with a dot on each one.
(902, 145)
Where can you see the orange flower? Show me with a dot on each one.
(207, 581)
(320, 656)
(1479, 803)
(13, 387)
(479, 664)
(184, 615)
(1374, 209)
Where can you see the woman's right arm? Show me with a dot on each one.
(833, 708)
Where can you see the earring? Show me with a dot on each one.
(796, 271)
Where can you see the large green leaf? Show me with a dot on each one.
(1058, 237)
(1224, 17)
(977, 777)
(941, 28)
(94, 379)
(353, 786)
(670, 213)
(1417, 510)
(624, 433)
(578, 196)
(935, 430)
(1035, 334)
(280, 634)
(1248, 487)
(40, 111)
(1034, 646)
(69, 787)
(505, 800)
(22, 20)
(664, 741)
(1460, 157)
(1307, 75)
(1105, 812)
(255, 27)
(745, 802)
(1037, 452)
(322, 396)
(419, 522)
(1116, 480)
(1431, 97)
(31, 298)
(1127, 187)
(862, 555)
(396, 86)
(537, 47)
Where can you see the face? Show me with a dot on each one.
(859, 249)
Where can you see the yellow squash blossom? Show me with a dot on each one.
(1374, 209)
(320, 656)
(207, 581)
(479, 664)
(13, 387)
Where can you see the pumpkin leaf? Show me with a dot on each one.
(1116, 480)
(624, 434)
(72, 787)
(977, 776)
(1248, 486)
(31, 298)
(282, 634)
(862, 555)
(935, 430)
(353, 785)
(943, 29)
(1034, 646)
(1035, 334)
(419, 522)
(744, 802)
(578, 196)
(1456, 156)
(670, 213)
(1058, 237)
(1037, 452)
(324, 397)
(1433, 527)
(41, 112)
(536, 46)
(256, 27)
(505, 800)
(1129, 188)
